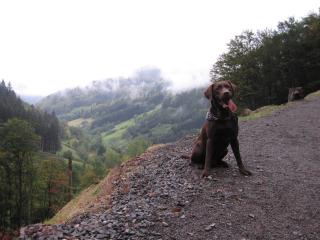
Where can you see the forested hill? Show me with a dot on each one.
(117, 119)
(264, 64)
(146, 84)
(33, 182)
(45, 124)
(127, 108)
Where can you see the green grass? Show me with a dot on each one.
(267, 110)
(161, 129)
(51, 156)
(97, 190)
(115, 137)
(77, 205)
(81, 122)
(313, 95)
(262, 112)
(48, 156)
(148, 114)
(76, 111)
(65, 147)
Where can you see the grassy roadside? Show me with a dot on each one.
(312, 95)
(267, 110)
(76, 206)
(262, 112)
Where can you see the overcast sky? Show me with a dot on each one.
(47, 46)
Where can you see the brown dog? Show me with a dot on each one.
(219, 130)
(295, 94)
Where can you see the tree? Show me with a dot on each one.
(52, 186)
(18, 144)
(69, 156)
(46, 125)
(23, 169)
(137, 146)
(264, 65)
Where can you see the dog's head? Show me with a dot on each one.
(222, 92)
(295, 93)
(298, 93)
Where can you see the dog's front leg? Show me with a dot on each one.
(235, 148)
(209, 152)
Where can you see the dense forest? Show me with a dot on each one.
(265, 64)
(32, 184)
(46, 125)
(45, 162)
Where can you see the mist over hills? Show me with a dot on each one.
(119, 113)
(143, 84)
(114, 100)
(31, 99)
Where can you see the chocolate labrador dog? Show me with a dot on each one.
(219, 130)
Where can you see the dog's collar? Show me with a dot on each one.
(215, 114)
(212, 117)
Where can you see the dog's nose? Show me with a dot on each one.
(226, 94)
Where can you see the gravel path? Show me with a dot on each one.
(165, 198)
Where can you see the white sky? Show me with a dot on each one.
(47, 46)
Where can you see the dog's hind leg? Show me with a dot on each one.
(197, 158)
(198, 155)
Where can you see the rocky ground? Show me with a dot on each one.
(162, 197)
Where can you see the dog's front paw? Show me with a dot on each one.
(222, 164)
(205, 173)
(245, 172)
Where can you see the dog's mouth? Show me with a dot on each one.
(227, 103)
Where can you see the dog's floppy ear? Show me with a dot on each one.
(233, 87)
(208, 93)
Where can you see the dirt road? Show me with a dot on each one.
(280, 201)
(165, 198)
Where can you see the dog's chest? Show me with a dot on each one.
(223, 131)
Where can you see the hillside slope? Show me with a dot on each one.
(115, 116)
(159, 196)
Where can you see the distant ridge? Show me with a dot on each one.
(31, 99)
